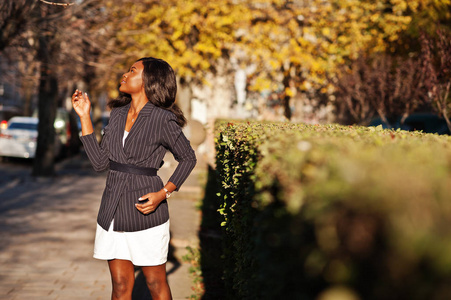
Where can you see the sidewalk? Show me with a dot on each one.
(47, 229)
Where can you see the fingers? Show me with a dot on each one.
(75, 96)
(145, 197)
(81, 104)
(145, 208)
(149, 206)
(79, 95)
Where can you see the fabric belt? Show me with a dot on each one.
(132, 169)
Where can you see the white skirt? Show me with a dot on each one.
(147, 247)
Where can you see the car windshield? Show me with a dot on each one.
(23, 126)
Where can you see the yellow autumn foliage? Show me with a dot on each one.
(313, 37)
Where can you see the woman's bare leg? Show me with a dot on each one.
(157, 282)
(123, 279)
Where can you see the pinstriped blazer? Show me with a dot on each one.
(154, 132)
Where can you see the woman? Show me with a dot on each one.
(133, 219)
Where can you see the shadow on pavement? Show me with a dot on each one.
(210, 237)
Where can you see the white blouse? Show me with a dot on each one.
(125, 136)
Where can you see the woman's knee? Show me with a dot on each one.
(156, 278)
(155, 281)
(122, 285)
(122, 277)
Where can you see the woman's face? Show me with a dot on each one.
(132, 81)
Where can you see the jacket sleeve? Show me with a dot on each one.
(98, 154)
(178, 144)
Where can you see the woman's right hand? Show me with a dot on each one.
(81, 104)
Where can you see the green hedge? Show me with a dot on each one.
(316, 211)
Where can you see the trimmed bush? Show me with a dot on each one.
(316, 211)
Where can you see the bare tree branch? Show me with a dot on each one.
(57, 4)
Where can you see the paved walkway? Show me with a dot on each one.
(47, 229)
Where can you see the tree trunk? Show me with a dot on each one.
(45, 152)
(44, 162)
(286, 107)
(286, 98)
(444, 108)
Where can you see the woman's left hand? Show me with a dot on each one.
(151, 205)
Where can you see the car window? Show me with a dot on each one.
(6, 114)
(24, 126)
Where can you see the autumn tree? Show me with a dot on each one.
(47, 34)
(20, 21)
(293, 46)
(195, 37)
(307, 42)
(381, 85)
(436, 66)
(14, 19)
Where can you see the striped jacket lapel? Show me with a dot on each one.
(121, 124)
(139, 123)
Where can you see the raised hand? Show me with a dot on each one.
(81, 103)
(82, 106)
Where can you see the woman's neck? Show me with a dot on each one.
(137, 103)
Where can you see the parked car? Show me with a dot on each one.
(7, 113)
(67, 131)
(19, 139)
(426, 122)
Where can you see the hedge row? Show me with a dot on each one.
(311, 212)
